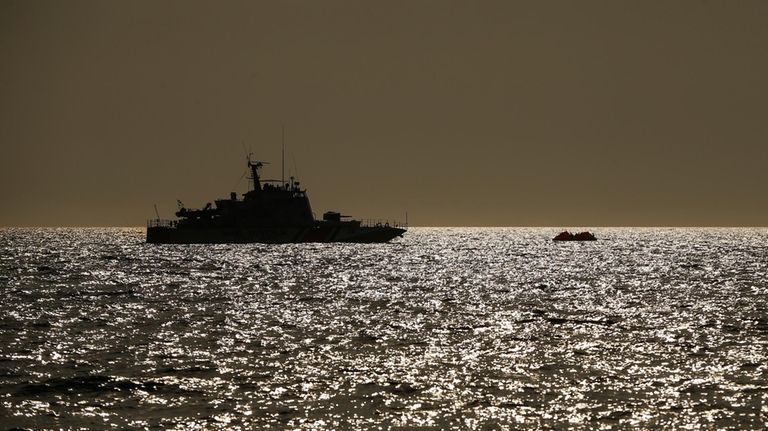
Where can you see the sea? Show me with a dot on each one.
(444, 328)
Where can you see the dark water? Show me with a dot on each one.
(445, 328)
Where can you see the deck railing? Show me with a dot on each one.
(365, 222)
(156, 222)
(383, 223)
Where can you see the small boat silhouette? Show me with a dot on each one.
(581, 236)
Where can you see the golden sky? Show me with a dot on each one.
(503, 113)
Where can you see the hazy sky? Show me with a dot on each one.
(509, 113)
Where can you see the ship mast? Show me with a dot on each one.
(282, 173)
(254, 166)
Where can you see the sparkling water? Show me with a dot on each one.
(463, 328)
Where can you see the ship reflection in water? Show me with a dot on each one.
(268, 213)
(443, 328)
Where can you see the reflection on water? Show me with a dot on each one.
(462, 328)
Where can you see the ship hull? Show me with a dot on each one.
(275, 235)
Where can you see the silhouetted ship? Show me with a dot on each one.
(275, 212)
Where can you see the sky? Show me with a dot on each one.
(481, 113)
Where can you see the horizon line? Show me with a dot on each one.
(437, 226)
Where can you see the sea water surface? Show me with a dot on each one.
(446, 328)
